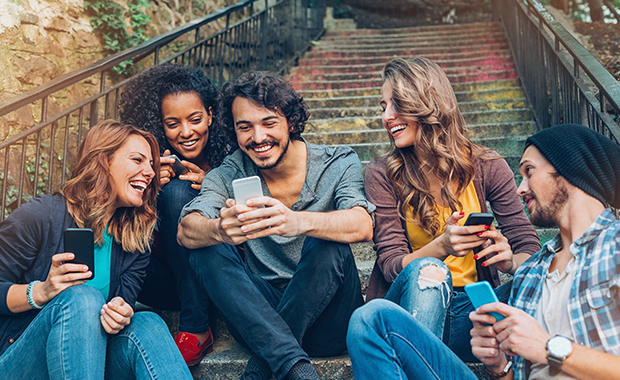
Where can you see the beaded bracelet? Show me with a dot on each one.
(29, 295)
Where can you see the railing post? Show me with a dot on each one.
(263, 39)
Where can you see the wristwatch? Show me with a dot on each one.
(558, 349)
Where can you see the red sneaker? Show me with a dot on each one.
(191, 350)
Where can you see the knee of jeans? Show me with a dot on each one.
(174, 195)
(314, 250)
(84, 298)
(215, 257)
(146, 321)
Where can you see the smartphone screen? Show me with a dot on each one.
(481, 293)
(81, 242)
(479, 218)
(247, 188)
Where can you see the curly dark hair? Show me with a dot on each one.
(141, 100)
(269, 91)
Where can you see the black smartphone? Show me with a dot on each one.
(479, 218)
(177, 166)
(81, 242)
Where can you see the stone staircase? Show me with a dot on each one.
(340, 80)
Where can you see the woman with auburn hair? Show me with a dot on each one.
(180, 107)
(424, 188)
(56, 322)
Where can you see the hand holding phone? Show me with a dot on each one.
(480, 293)
(177, 166)
(81, 242)
(247, 188)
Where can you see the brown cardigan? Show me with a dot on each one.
(493, 182)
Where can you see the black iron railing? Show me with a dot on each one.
(563, 82)
(38, 160)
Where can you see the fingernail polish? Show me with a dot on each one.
(479, 233)
(486, 227)
(462, 213)
(475, 257)
(483, 264)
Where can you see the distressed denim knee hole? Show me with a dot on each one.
(431, 276)
(434, 277)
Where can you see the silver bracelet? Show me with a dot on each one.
(29, 295)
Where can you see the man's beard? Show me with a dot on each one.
(547, 216)
(275, 144)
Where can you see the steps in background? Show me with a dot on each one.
(340, 80)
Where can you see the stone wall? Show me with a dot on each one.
(43, 39)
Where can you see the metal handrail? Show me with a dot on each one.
(102, 65)
(559, 83)
(37, 161)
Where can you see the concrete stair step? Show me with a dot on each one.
(379, 135)
(447, 41)
(396, 37)
(386, 51)
(364, 123)
(228, 361)
(468, 101)
(315, 58)
(464, 70)
(431, 29)
(368, 106)
(509, 147)
(486, 75)
(512, 84)
(474, 116)
(446, 64)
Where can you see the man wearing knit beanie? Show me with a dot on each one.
(564, 313)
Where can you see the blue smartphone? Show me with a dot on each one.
(480, 293)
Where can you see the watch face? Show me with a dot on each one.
(560, 347)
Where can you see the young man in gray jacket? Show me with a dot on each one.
(291, 291)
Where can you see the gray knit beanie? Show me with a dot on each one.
(587, 159)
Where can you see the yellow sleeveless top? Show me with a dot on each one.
(463, 269)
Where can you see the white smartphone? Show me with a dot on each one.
(247, 188)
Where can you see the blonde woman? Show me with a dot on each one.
(433, 177)
(56, 324)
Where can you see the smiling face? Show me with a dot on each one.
(262, 134)
(186, 124)
(131, 171)
(543, 190)
(404, 133)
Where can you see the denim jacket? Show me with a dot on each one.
(29, 238)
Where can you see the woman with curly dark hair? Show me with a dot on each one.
(180, 107)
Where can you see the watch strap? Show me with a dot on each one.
(507, 368)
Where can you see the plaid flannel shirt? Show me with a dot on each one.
(594, 297)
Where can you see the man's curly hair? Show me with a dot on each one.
(269, 91)
(141, 101)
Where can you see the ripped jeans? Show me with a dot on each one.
(439, 307)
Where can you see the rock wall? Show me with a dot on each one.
(43, 39)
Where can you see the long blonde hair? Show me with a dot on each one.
(423, 96)
(90, 191)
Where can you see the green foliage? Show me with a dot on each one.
(197, 4)
(109, 18)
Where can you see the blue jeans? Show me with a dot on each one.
(439, 307)
(170, 270)
(387, 342)
(309, 316)
(66, 341)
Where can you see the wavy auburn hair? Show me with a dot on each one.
(90, 192)
(423, 96)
